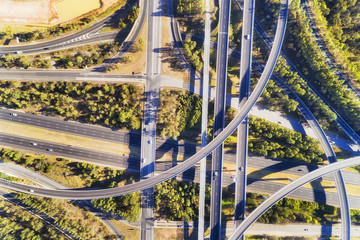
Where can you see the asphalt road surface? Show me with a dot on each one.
(219, 119)
(243, 129)
(152, 97)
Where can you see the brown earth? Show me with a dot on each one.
(37, 11)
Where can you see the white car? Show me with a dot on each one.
(34, 144)
(13, 114)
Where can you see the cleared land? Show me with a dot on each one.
(69, 9)
(35, 11)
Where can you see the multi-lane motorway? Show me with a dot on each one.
(219, 119)
(148, 129)
(192, 160)
(243, 129)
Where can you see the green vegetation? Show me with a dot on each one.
(75, 58)
(178, 112)
(279, 142)
(80, 224)
(291, 210)
(189, 7)
(307, 53)
(8, 32)
(16, 223)
(338, 22)
(193, 54)
(127, 206)
(112, 105)
(86, 56)
(321, 111)
(24, 61)
(175, 200)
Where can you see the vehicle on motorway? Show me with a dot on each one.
(34, 143)
(241, 169)
(13, 114)
(30, 190)
(49, 149)
(247, 37)
(306, 229)
(149, 141)
(215, 175)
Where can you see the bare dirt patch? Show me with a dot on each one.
(175, 234)
(50, 11)
(171, 64)
(36, 11)
(136, 58)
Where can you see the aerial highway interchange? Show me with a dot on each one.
(148, 144)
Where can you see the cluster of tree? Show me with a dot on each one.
(177, 200)
(127, 206)
(279, 142)
(268, 10)
(189, 7)
(313, 64)
(83, 59)
(16, 223)
(112, 105)
(355, 215)
(321, 111)
(130, 19)
(339, 26)
(39, 164)
(178, 112)
(23, 61)
(276, 98)
(292, 210)
(79, 224)
(193, 54)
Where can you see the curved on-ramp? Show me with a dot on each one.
(111, 192)
(253, 216)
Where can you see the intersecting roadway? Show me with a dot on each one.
(103, 193)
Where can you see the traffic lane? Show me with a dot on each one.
(77, 128)
(169, 145)
(42, 147)
(132, 163)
